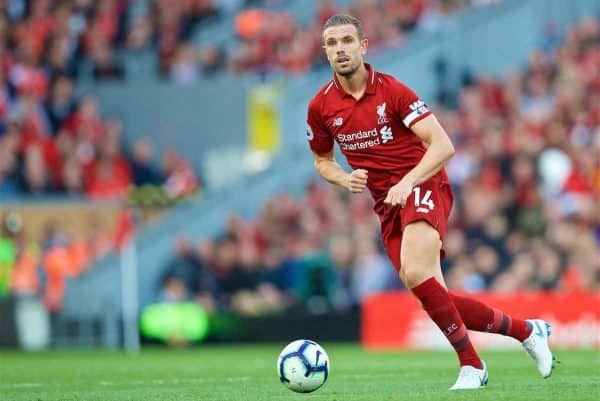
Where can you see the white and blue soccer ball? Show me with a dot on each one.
(303, 366)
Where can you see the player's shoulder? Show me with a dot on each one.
(391, 83)
(318, 100)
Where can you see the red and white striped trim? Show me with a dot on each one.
(329, 87)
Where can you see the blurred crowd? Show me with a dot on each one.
(526, 176)
(56, 143)
(526, 173)
(61, 33)
(275, 41)
(51, 138)
(44, 40)
(50, 38)
(321, 251)
(56, 140)
(272, 39)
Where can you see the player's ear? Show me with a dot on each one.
(364, 44)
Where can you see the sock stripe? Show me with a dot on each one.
(504, 325)
(494, 326)
(462, 343)
(480, 317)
(440, 309)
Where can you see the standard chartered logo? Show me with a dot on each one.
(358, 140)
(356, 136)
(386, 134)
(365, 138)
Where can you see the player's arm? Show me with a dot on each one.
(438, 152)
(331, 171)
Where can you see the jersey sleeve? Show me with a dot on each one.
(410, 107)
(319, 139)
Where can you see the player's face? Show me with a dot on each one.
(344, 49)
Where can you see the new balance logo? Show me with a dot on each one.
(386, 134)
(338, 121)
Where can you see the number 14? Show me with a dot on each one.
(426, 200)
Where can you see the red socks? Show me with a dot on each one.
(439, 306)
(480, 317)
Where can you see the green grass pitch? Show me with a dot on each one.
(237, 372)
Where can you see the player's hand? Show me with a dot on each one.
(357, 181)
(399, 193)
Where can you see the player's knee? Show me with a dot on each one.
(416, 267)
(420, 253)
(413, 275)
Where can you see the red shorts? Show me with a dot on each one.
(430, 201)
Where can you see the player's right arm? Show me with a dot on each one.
(321, 143)
(332, 172)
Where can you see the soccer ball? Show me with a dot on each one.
(303, 366)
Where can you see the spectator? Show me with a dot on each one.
(61, 103)
(184, 266)
(105, 65)
(60, 59)
(212, 59)
(143, 171)
(181, 180)
(185, 68)
(36, 179)
(372, 272)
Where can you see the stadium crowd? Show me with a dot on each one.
(50, 38)
(275, 41)
(51, 138)
(526, 177)
(55, 141)
(526, 173)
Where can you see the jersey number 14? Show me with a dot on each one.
(424, 201)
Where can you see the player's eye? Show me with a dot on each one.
(348, 39)
(330, 43)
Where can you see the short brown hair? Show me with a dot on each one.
(344, 19)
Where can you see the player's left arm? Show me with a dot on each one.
(438, 152)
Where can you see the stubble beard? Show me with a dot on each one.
(347, 73)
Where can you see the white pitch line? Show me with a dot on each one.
(23, 385)
(175, 381)
(106, 383)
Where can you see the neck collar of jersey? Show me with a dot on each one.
(371, 81)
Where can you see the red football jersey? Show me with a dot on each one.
(373, 132)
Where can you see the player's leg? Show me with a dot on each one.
(480, 317)
(533, 334)
(421, 272)
(476, 315)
